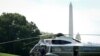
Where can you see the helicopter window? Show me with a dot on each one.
(89, 49)
(60, 42)
(61, 49)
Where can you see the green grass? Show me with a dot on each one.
(5, 54)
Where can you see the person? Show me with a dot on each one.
(76, 51)
(42, 51)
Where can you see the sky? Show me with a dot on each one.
(53, 15)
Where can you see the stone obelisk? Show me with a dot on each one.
(71, 20)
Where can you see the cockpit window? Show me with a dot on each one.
(60, 42)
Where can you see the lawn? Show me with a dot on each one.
(5, 54)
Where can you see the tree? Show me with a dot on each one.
(14, 26)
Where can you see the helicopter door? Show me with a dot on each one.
(75, 51)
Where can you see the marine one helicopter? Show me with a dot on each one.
(65, 46)
(62, 45)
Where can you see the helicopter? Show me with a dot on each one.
(66, 46)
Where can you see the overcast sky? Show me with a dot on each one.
(53, 15)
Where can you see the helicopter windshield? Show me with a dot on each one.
(60, 42)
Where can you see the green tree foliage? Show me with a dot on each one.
(14, 26)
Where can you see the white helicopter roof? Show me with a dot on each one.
(48, 42)
(61, 38)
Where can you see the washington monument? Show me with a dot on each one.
(71, 20)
